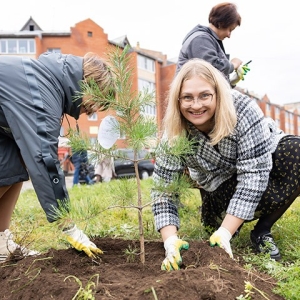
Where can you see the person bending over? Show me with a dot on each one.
(34, 95)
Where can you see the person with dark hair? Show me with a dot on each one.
(206, 42)
(81, 165)
(34, 96)
(247, 167)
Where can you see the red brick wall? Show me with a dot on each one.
(78, 43)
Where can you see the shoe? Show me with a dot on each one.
(8, 246)
(265, 244)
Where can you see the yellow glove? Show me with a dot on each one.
(222, 238)
(173, 259)
(81, 242)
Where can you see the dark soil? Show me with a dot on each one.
(208, 274)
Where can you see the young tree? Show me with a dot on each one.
(128, 106)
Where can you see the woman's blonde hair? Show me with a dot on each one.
(225, 118)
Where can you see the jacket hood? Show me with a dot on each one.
(68, 71)
(201, 28)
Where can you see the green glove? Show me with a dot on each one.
(81, 242)
(242, 71)
(173, 259)
(222, 238)
(239, 74)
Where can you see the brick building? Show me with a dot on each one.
(151, 69)
(286, 117)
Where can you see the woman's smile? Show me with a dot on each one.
(198, 103)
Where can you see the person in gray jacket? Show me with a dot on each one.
(238, 157)
(34, 95)
(206, 42)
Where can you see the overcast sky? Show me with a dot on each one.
(268, 35)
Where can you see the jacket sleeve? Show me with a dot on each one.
(164, 206)
(254, 161)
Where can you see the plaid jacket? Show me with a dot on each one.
(247, 152)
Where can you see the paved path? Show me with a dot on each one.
(28, 185)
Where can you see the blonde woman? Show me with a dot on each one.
(34, 95)
(237, 162)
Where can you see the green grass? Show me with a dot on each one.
(99, 211)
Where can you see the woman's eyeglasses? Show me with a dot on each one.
(188, 100)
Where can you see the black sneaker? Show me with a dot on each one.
(265, 244)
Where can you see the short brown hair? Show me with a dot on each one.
(224, 15)
(94, 67)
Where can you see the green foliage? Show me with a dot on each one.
(251, 290)
(131, 253)
(78, 141)
(85, 292)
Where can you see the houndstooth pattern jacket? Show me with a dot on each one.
(247, 152)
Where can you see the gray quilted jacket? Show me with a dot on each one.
(34, 94)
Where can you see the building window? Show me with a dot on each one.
(12, 46)
(57, 50)
(149, 110)
(146, 86)
(90, 33)
(93, 117)
(31, 46)
(94, 129)
(3, 47)
(146, 63)
(93, 140)
(17, 46)
(149, 87)
(268, 110)
(23, 46)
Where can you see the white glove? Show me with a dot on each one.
(222, 238)
(81, 242)
(239, 74)
(173, 259)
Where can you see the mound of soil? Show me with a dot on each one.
(208, 274)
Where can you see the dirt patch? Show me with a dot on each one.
(208, 274)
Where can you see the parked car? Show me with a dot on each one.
(125, 167)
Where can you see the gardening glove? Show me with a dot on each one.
(222, 238)
(173, 259)
(239, 74)
(81, 242)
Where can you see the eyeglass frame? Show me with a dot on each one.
(198, 99)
